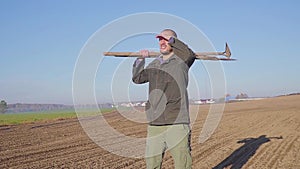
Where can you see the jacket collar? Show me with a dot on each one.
(160, 59)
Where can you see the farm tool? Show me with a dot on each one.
(198, 55)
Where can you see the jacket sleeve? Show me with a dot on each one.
(183, 51)
(139, 74)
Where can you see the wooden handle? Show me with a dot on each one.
(198, 55)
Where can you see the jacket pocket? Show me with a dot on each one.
(149, 113)
(173, 109)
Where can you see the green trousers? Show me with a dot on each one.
(174, 138)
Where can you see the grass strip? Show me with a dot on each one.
(30, 117)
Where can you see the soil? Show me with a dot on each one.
(252, 134)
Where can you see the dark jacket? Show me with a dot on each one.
(168, 98)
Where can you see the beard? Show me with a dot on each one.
(165, 52)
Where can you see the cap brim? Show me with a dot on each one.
(161, 37)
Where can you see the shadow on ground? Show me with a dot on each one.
(240, 156)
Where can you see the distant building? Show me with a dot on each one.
(203, 101)
(133, 104)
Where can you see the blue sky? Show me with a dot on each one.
(41, 40)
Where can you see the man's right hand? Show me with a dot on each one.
(144, 53)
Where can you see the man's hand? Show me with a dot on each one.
(144, 53)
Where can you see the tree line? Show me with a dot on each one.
(3, 106)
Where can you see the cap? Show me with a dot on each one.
(166, 34)
(159, 36)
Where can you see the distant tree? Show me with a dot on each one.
(242, 96)
(3, 106)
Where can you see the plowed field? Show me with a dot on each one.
(252, 134)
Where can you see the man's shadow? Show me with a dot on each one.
(240, 156)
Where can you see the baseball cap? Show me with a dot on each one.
(166, 34)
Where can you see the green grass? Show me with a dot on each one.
(9, 119)
(21, 118)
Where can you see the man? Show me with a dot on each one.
(167, 108)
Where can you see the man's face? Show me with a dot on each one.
(164, 46)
